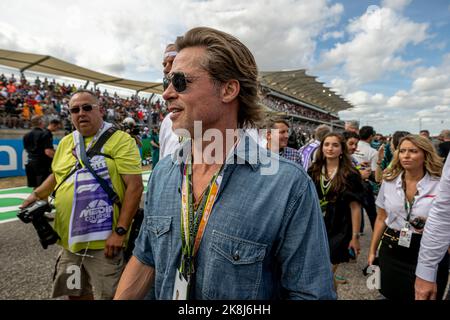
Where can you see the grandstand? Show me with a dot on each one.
(292, 94)
(301, 97)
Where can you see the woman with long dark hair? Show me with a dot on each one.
(339, 187)
(405, 198)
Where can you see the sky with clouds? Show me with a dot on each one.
(389, 58)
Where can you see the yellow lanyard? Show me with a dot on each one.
(193, 223)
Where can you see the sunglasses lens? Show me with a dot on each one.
(166, 83)
(179, 82)
(87, 108)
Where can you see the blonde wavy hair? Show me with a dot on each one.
(432, 162)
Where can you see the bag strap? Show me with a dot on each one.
(97, 147)
(53, 194)
(86, 161)
(95, 150)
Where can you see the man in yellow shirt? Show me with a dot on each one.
(92, 227)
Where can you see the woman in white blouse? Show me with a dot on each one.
(405, 198)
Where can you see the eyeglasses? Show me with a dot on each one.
(179, 81)
(85, 107)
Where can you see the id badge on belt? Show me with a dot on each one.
(405, 236)
(181, 287)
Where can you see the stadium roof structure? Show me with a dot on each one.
(303, 87)
(295, 83)
(50, 65)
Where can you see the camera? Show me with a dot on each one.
(35, 213)
(418, 223)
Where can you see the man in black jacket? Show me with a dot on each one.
(39, 145)
(444, 146)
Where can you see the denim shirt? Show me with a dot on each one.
(265, 238)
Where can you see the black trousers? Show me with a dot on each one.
(398, 268)
(37, 172)
(368, 205)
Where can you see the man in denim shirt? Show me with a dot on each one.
(264, 237)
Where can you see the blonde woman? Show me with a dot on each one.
(403, 203)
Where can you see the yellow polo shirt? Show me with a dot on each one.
(125, 160)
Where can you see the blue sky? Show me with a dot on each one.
(389, 58)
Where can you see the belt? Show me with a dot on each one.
(394, 235)
(391, 234)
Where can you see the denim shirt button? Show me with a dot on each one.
(236, 256)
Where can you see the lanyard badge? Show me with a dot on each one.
(181, 287)
(405, 236)
(192, 228)
(406, 233)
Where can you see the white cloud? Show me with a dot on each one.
(422, 84)
(426, 104)
(281, 34)
(106, 36)
(378, 40)
(127, 39)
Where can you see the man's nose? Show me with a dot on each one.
(169, 93)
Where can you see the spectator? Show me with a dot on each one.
(444, 146)
(268, 257)
(404, 202)
(91, 239)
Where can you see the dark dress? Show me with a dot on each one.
(338, 217)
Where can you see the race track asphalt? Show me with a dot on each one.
(27, 269)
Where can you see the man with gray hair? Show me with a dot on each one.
(91, 220)
(308, 151)
(444, 147)
(352, 126)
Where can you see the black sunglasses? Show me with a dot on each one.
(179, 81)
(85, 107)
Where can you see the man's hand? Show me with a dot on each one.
(29, 200)
(425, 290)
(114, 244)
(40, 193)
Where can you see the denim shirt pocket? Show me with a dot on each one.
(234, 268)
(159, 228)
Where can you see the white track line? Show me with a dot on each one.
(145, 177)
(9, 220)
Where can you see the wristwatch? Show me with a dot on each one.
(121, 231)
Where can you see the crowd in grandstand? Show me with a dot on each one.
(20, 99)
(296, 109)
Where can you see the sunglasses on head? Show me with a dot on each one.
(178, 79)
(85, 107)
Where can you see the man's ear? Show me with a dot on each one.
(230, 90)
